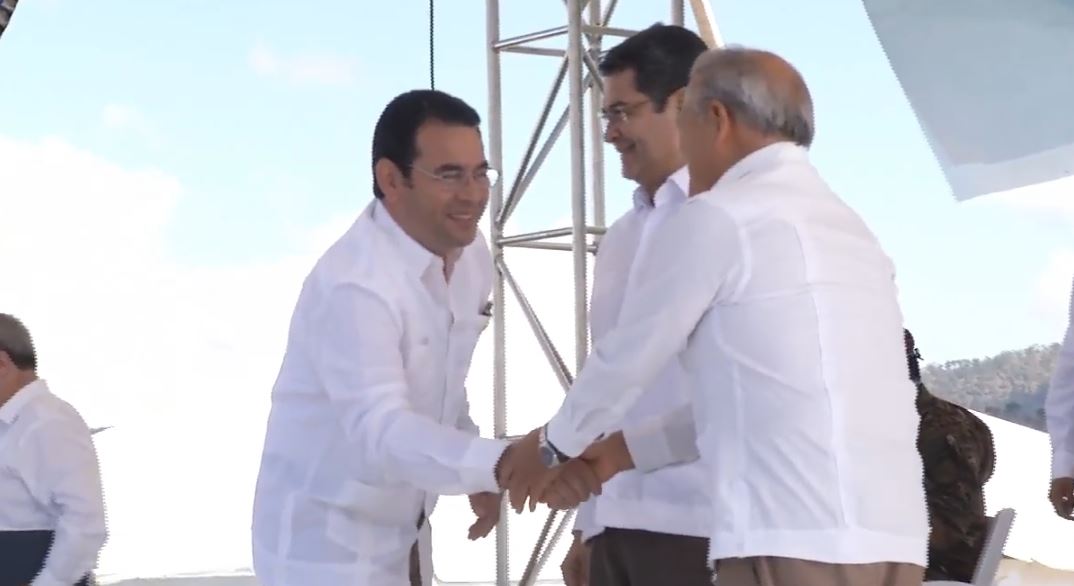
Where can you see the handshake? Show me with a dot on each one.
(526, 478)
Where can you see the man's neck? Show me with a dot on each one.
(11, 389)
(652, 186)
(450, 259)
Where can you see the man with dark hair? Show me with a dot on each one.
(958, 456)
(758, 284)
(370, 421)
(649, 525)
(52, 523)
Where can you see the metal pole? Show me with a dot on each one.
(499, 330)
(596, 125)
(678, 12)
(577, 128)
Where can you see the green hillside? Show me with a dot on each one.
(1010, 385)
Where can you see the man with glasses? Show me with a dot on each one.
(650, 524)
(369, 420)
(782, 307)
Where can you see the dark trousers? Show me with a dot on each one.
(415, 557)
(22, 555)
(630, 557)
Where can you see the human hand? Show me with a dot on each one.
(1062, 496)
(521, 470)
(608, 457)
(486, 506)
(575, 566)
(568, 485)
(575, 481)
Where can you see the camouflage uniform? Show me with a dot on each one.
(958, 456)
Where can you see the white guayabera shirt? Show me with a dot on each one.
(370, 421)
(659, 429)
(787, 308)
(50, 480)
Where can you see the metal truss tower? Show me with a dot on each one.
(578, 66)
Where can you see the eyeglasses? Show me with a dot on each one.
(621, 113)
(456, 177)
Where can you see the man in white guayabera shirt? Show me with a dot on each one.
(52, 515)
(370, 421)
(649, 525)
(1059, 409)
(787, 309)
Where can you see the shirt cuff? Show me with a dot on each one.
(663, 441)
(479, 464)
(1062, 464)
(648, 446)
(563, 438)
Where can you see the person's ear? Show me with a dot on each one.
(677, 99)
(390, 178)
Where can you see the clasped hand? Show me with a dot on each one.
(562, 487)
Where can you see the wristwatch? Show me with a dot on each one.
(550, 456)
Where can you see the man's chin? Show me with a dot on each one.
(464, 238)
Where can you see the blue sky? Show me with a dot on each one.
(172, 169)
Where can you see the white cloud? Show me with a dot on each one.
(1053, 289)
(304, 68)
(179, 359)
(1048, 202)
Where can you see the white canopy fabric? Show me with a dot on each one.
(990, 82)
(1020, 481)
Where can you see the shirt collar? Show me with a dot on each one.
(9, 412)
(415, 256)
(675, 188)
(764, 159)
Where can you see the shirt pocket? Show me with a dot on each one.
(376, 524)
(380, 505)
(424, 360)
(465, 334)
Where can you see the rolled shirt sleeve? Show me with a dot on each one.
(692, 256)
(358, 357)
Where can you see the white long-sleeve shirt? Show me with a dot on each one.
(1059, 405)
(369, 420)
(654, 496)
(50, 480)
(787, 306)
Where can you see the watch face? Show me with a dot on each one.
(548, 457)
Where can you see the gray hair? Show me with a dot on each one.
(738, 78)
(15, 340)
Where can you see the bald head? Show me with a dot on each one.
(760, 89)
